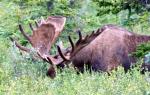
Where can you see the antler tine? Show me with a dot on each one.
(31, 27)
(86, 37)
(80, 35)
(49, 61)
(24, 34)
(44, 59)
(92, 33)
(36, 23)
(72, 44)
(98, 31)
(20, 46)
(60, 43)
(61, 54)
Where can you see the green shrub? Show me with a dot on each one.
(19, 74)
(142, 50)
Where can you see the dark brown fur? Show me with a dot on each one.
(51, 72)
(108, 50)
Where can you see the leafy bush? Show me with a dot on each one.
(142, 50)
(19, 74)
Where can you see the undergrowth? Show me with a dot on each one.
(21, 75)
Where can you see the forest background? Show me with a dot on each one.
(20, 75)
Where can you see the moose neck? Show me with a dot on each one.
(142, 38)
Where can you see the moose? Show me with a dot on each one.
(102, 51)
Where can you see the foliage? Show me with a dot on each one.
(115, 6)
(142, 50)
(19, 74)
(69, 83)
(137, 10)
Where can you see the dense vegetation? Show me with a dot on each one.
(20, 75)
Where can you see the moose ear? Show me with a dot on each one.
(57, 21)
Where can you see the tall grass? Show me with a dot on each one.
(21, 75)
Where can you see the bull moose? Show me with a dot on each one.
(103, 50)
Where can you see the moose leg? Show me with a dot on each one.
(126, 63)
(97, 64)
(79, 66)
(123, 58)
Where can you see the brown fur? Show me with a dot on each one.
(108, 50)
(51, 72)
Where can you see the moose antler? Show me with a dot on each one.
(19, 46)
(81, 43)
(44, 35)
